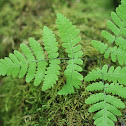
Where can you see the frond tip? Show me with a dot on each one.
(106, 105)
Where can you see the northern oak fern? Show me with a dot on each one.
(33, 64)
(104, 104)
(118, 27)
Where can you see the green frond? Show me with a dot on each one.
(104, 103)
(112, 75)
(69, 35)
(118, 27)
(51, 47)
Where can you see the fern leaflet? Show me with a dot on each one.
(112, 75)
(51, 48)
(69, 35)
(18, 64)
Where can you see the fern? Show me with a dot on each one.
(112, 75)
(118, 28)
(69, 35)
(33, 63)
(106, 104)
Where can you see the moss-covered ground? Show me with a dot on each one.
(23, 104)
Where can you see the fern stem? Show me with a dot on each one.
(55, 58)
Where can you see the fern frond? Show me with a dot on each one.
(51, 47)
(69, 35)
(118, 27)
(20, 65)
